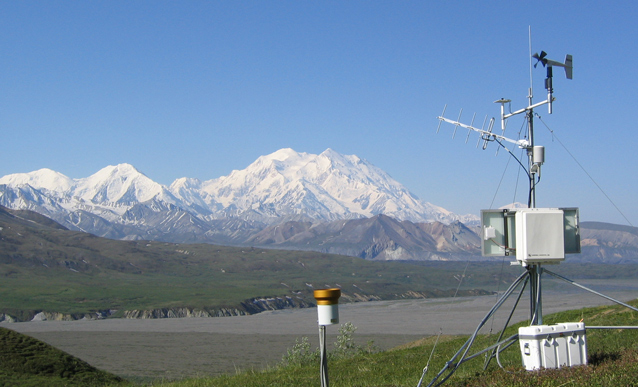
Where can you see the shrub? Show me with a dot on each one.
(345, 347)
(300, 354)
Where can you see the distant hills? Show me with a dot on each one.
(329, 202)
(49, 272)
(380, 237)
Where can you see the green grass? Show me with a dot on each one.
(152, 275)
(25, 361)
(210, 280)
(613, 361)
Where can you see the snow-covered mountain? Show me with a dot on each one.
(109, 193)
(121, 202)
(289, 184)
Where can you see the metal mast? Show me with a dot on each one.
(535, 154)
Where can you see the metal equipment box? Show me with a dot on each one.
(539, 235)
(502, 233)
(553, 346)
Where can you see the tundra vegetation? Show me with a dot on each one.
(612, 358)
(76, 274)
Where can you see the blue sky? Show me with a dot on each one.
(199, 88)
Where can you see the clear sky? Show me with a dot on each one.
(199, 88)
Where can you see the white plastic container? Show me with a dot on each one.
(328, 314)
(553, 346)
(327, 306)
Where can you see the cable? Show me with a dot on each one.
(498, 360)
(515, 158)
(505, 170)
(584, 170)
(425, 369)
(450, 366)
(427, 366)
(499, 183)
(520, 294)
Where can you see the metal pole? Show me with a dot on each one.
(536, 305)
(590, 290)
(539, 300)
(534, 295)
(324, 357)
(536, 301)
(530, 153)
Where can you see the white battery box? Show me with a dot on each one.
(553, 346)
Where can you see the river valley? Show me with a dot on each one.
(187, 347)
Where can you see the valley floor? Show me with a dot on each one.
(177, 348)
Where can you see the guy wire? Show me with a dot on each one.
(584, 170)
(425, 369)
(499, 183)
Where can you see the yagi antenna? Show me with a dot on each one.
(483, 126)
(469, 131)
(486, 135)
(456, 126)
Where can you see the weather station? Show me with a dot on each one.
(535, 237)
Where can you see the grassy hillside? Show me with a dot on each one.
(25, 361)
(44, 267)
(141, 275)
(612, 354)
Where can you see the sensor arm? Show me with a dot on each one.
(506, 116)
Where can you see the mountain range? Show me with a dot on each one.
(120, 202)
(329, 202)
(283, 185)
